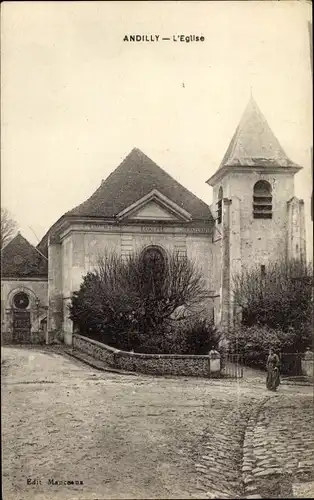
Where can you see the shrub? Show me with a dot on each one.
(200, 335)
(277, 310)
(280, 298)
(253, 343)
(187, 336)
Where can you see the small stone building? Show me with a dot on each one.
(24, 293)
(254, 218)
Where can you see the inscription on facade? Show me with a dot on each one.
(163, 229)
(198, 230)
(104, 228)
(151, 229)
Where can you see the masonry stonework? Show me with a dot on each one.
(153, 364)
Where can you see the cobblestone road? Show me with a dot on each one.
(124, 436)
(279, 446)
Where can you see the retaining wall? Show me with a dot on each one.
(156, 364)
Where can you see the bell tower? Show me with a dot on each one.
(257, 214)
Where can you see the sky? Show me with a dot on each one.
(76, 98)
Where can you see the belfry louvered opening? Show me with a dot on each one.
(219, 205)
(262, 200)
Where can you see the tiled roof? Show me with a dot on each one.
(254, 143)
(134, 178)
(19, 259)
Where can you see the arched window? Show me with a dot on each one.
(219, 205)
(154, 268)
(262, 200)
(154, 259)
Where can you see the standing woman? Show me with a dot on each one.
(273, 363)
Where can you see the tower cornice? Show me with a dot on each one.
(228, 169)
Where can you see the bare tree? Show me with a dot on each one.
(152, 291)
(8, 227)
(133, 294)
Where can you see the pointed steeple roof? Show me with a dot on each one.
(20, 259)
(134, 178)
(254, 143)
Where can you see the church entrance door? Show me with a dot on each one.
(21, 327)
(21, 319)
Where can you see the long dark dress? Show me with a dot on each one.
(273, 378)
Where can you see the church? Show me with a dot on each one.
(254, 218)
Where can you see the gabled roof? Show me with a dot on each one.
(133, 179)
(19, 259)
(254, 143)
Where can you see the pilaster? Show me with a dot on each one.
(225, 273)
(296, 242)
(302, 233)
(235, 254)
(55, 306)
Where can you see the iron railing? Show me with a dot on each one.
(291, 363)
(232, 365)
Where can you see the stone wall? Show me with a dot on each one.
(263, 239)
(154, 364)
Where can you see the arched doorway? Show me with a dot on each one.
(21, 318)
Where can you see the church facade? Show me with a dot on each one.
(254, 218)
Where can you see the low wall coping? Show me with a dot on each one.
(213, 354)
(140, 354)
(96, 342)
(308, 356)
